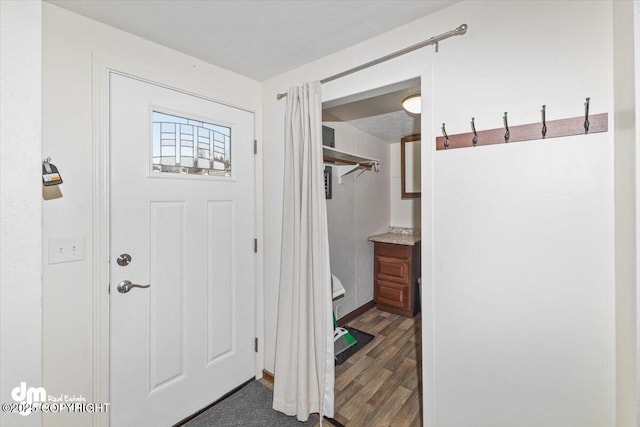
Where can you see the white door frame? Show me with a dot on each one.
(102, 68)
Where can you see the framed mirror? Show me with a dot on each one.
(410, 166)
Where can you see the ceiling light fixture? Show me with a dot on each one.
(413, 104)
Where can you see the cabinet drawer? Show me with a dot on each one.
(392, 295)
(392, 250)
(393, 269)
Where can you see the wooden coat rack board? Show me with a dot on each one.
(543, 130)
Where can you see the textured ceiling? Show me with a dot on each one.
(379, 113)
(258, 39)
(389, 127)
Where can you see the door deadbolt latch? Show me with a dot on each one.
(124, 260)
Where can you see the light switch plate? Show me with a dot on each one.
(66, 248)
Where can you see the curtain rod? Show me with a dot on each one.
(462, 29)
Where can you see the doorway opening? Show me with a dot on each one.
(374, 240)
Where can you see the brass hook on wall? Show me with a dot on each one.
(544, 121)
(507, 134)
(475, 134)
(446, 137)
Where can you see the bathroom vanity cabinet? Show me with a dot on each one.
(396, 269)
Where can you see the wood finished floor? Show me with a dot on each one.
(381, 385)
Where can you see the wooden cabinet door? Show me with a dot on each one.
(392, 269)
(394, 273)
(393, 295)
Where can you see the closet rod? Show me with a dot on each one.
(462, 29)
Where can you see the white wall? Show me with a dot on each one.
(359, 208)
(637, 310)
(69, 41)
(518, 312)
(21, 209)
(625, 231)
(523, 235)
(404, 213)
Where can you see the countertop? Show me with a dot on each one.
(398, 236)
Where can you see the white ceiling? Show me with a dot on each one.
(263, 38)
(378, 112)
(258, 39)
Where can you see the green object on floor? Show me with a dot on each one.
(342, 338)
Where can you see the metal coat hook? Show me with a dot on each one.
(535, 130)
(446, 137)
(586, 116)
(507, 134)
(475, 134)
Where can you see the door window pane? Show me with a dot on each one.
(187, 146)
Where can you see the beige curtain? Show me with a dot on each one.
(304, 369)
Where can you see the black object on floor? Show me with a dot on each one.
(363, 339)
(248, 407)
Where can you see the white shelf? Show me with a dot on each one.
(347, 163)
(341, 156)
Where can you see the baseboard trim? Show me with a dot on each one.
(267, 376)
(355, 313)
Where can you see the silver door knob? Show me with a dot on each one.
(126, 285)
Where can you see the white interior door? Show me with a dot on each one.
(182, 209)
